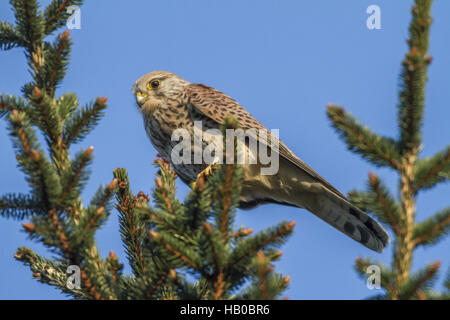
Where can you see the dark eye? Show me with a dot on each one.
(154, 84)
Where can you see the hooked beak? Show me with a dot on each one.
(141, 98)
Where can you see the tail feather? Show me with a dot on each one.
(350, 220)
(295, 187)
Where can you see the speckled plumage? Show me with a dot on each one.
(176, 103)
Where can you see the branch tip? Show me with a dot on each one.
(37, 92)
(29, 227)
(89, 150)
(291, 225)
(207, 227)
(102, 100)
(65, 35)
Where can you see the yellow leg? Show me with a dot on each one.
(207, 171)
(204, 174)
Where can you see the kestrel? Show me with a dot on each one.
(168, 102)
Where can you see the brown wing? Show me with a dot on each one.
(217, 106)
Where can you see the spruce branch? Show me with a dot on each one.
(48, 272)
(176, 248)
(198, 204)
(432, 229)
(267, 239)
(5, 106)
(432, 170)
(29, 23)
(386, 275)
(446, 294)
(149, 264)
(74, 179)
(42, 179)
(379, 150)
(131, 228)
(163, 242)
(54, 231)
(56, 61)
(10, 103)
(447, 282)
(56, 14)
(95, 275)
(57, 234)
(165, 189)
(415, 174)
(419, 283)
(414, 78)
(266, 284)
(228, 198)
(216, 246)
(59, 230)
(9, 36)
(19, 206)
(206, 247)
(66, 105)
(379, 201)
(81, 122)
(153, 289)
(132, 288)
(54, 204)
(98, 210)
(115, 268)
(48, 120)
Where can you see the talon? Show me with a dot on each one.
(207, 171)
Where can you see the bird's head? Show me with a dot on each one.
(157, 88)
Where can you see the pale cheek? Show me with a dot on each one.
(150, 105)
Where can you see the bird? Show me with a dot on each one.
(168, 103)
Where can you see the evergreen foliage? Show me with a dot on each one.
(164, 242)
(416, 174)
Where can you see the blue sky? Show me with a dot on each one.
(282, 60)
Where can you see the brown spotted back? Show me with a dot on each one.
(217, 106)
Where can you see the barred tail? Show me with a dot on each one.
(350, 220)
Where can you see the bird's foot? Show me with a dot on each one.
(205, 173)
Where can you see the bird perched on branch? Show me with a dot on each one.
(168, 103)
